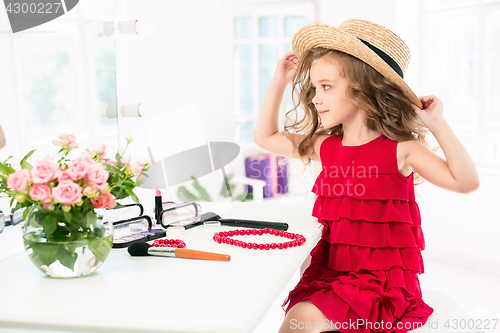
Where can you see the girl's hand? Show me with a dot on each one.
(431, 112)
(285, 70)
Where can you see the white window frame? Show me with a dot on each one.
(256, 10)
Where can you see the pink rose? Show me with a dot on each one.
(77, 169)
(111, 201)
(99, 149)
(125, 159)
(88, 191)
(40, 192)
(106, 200)
(66, 140)
(110, 162)
(20, 198)
(44, 170)
(85, 159)
(48, 205)
(67, 192)
(19, 180)
(62, 176)
(133, 162)
(97, 176)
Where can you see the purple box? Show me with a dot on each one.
(265, 167)
(282, 177)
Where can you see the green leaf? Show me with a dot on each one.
(224, 191)
(59, 215)
(6, 169)
(68, 216)
(204, 196)
(121, 194)
(100, 248)
(26, 211)
(107, 167)
(244, 197)
(118, 206)
(40, 215)
(46, 253)
(8, 158)
(128, 184)
(132, 194)
(49, 225)
(184, 194)
(91, 214)
(77, 218)
(67, 256)
(24, 164)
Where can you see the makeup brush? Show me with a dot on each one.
(144, 249)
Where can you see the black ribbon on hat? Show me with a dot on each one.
(393, 64)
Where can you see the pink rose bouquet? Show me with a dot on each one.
(70, 189)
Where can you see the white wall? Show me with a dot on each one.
(462, 229)
(184, 62)
(334, 12)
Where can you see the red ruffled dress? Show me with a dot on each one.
(363, 271)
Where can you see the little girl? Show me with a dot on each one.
(367, 128)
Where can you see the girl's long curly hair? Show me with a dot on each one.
(386, 108)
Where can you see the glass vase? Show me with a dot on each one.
(67, 244)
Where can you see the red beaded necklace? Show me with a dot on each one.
(169, 243)
(223, 237)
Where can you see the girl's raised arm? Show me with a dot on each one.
(267, 134)
(457, 173)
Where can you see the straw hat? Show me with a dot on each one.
(372, 43)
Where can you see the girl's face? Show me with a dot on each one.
(331, 101)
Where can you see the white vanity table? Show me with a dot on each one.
(156, 294)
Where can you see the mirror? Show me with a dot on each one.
(58, 78)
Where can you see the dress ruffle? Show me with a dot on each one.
(342, 257)
(373, 187)
(394, 296)
(332, 208)
(373, 234)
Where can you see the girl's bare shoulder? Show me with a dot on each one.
(316, 142)
(404, 149)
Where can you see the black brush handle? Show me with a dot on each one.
(209, 216)
(254, 224)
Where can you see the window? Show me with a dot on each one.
(259, 40)
(64, 77)
(462, 68)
